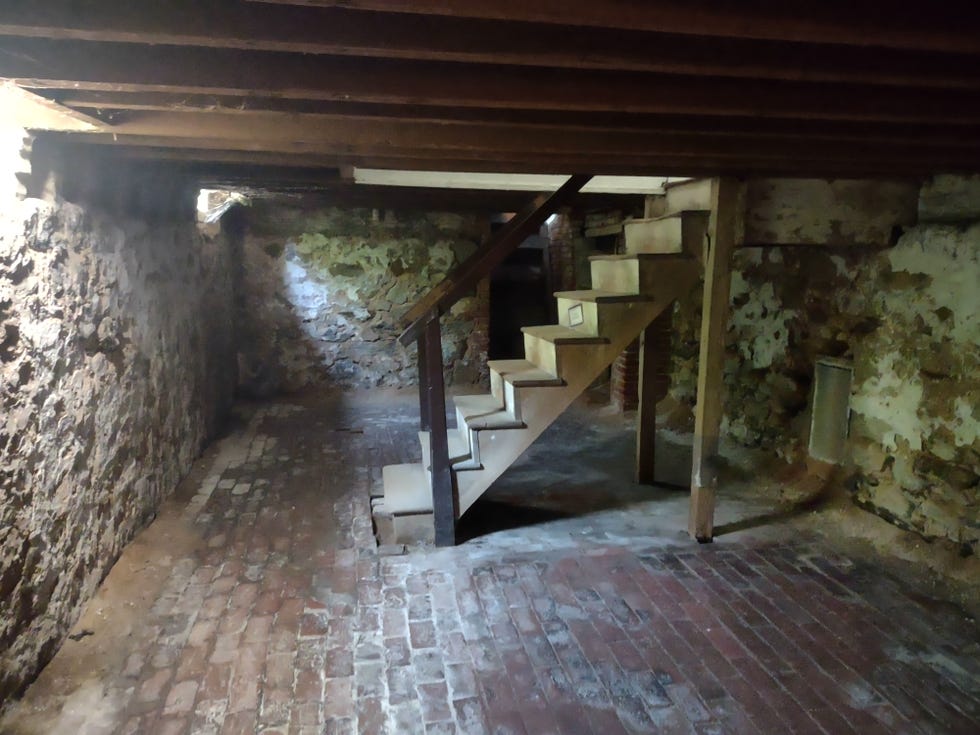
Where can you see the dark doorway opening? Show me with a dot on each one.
(519, 297)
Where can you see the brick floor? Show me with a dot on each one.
(288, 620)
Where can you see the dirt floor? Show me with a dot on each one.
(258, 601)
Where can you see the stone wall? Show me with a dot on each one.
(324, 288)
(908, 317)
(116, 365)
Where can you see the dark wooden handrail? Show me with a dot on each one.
(478, 266)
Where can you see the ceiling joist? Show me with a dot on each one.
(888, 25)
(231, 24)
(36, 63)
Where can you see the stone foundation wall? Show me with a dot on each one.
(324, 289)
(908, 317)
(116, 365)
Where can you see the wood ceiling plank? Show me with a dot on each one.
(885, 24)
(42, 63)
(231, 24)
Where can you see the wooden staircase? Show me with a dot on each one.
(560, 361)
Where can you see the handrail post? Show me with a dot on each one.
(424, 422)
(445, 504)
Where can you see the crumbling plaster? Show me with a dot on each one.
(907, 316)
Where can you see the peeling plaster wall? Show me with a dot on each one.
(324, 289)
(909, 319)
(116, 365)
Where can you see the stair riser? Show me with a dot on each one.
(652, 278)
(692, 195)
(598, 319)
(658, 236)
(511, 400)
(683, 234)
(497, 386)
(616, 276)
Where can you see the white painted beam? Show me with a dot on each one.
(508, 182)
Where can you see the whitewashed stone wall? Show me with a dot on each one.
(909, 319)
(323, 290)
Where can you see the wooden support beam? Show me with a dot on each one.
(445, 499)
(800, 166)
(44, 63)
(424, 422)
(31, 111)
(909, 133)
(722, 236)
(881, 24)
(327, 134)
(339, 31)
(654, 383)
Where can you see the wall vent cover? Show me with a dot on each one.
(831, 409)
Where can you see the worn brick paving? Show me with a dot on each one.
(290, 621)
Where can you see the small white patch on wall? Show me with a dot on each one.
(893, 397)
(950, 256)
(762, 322)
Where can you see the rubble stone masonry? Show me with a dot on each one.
(116, 365)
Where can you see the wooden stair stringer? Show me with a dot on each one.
(540, 406)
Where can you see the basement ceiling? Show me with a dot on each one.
(298, 93)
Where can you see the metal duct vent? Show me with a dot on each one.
(831, 409)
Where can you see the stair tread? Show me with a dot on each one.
(503, 367)
(524, 373)
(642, 256)
(481, 412)
(533, 377)
(558, 335)
(407, 488)
(601, 297)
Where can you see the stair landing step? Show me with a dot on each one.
(559, 335)
(407, 488)
(601, 297)
(482, 412)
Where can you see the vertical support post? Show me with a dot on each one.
(714, 317)
(423, 358)
(445, 504)
(654, 383)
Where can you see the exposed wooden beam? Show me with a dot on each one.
(231, 24)
(33, 112)
(722, 236)
(44, 63)
(630, 165)
(116, 104)
(368, 136)
(886, 24)
(654, 382)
